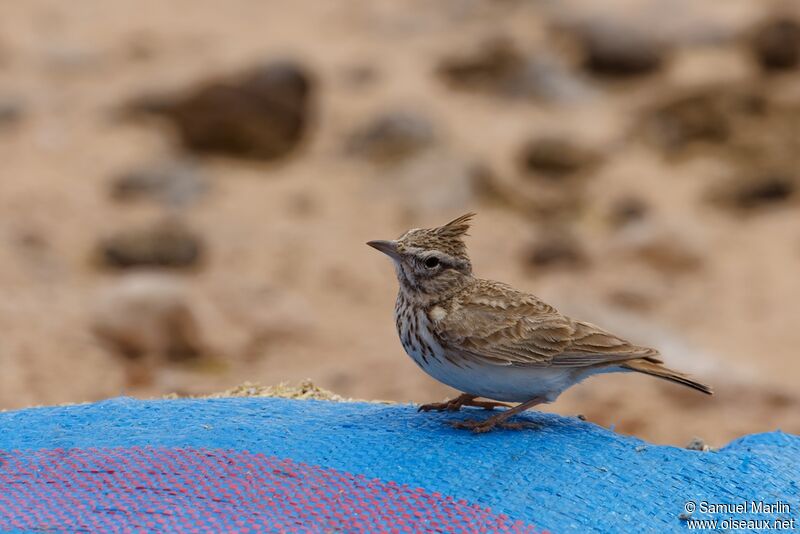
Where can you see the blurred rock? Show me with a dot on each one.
(554, 158)
(176, 183)
(497, 67)
(11, 110)
(695, 118)
(555, 250)
(147, 319)
(360, 75)
(142, 46)
(32, 239)
(757, 189)
(500, 69)
(666, 250)
(618, 50)
(776, 44)
(543, 200)
(627, 210)
(633, 300)
(167, 243)
(261, 114)
(487, 187)
(669, 256)
(705, 114)
(392, 137)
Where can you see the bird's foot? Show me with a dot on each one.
(479, 427)
(446, 406)
(454, 405)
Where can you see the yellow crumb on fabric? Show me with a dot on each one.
(305, 390)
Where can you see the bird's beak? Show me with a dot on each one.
(387, 247)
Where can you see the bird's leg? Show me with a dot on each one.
(453, 405)
(500, 419)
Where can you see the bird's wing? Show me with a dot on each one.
(498, 325)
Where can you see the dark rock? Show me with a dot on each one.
(497, 67)
(556, 250)
(392, 137)
(554, 158)
(704, 115)
(757, 190)
(776, 44)
(261, 114)
(165, 244)
(694, 118)
(772, 189)
(176, 183)
(619, 51)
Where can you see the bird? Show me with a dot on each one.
(489, 340)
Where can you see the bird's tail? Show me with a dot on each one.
(658, 370)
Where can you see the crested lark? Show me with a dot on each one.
(489, 340)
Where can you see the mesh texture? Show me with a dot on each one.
(150, 489)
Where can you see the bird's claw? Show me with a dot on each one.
(439, 407)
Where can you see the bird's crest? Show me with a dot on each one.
(446, 238)
(456, 228)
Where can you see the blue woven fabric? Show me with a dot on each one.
(564, 476)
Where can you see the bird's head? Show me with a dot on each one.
(430, 261)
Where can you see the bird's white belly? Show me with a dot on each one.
(502, 383)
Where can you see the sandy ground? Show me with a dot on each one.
(289, 291)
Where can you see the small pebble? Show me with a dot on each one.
(167, 244)
(176, 183)
(698, 444)
(776, 44)
(616, 50)
(392, 137)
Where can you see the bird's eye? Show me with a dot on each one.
(431, 262)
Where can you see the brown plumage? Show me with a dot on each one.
(487, 339)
